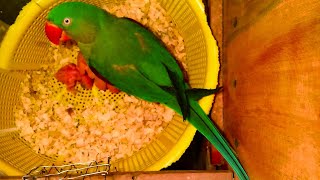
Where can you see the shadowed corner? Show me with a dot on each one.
(194, 158)
(3, 29)
(9, 10)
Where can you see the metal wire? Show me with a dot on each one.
(69, 171)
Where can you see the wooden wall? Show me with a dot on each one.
(271, 77)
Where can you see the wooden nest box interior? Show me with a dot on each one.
(271, 79)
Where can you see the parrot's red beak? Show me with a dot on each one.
(55, 34)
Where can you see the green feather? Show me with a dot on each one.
(194, 93)
(134, 60)
(197, 94)
(180, 93)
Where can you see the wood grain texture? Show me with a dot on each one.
(163, 175)
(272, 86)
(215, 23)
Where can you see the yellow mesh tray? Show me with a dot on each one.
(25, 47)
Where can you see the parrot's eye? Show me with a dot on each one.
(66, 21)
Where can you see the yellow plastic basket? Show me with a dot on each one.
(25, 47)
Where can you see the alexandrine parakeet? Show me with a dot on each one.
(135, 61)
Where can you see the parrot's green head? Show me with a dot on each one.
(73, 20)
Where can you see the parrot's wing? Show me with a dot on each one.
(155, 62)
(180, 87)
(195, 93)
(171, 68)
(129, 79)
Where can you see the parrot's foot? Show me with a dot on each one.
(100, 83)
(71, 74)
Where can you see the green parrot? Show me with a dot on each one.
(135, 61)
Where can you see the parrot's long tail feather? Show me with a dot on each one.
(205, 126)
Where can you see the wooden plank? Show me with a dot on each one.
(215, 17)
(172, 175)
(215, 22)
(271, 86)
(197, 175)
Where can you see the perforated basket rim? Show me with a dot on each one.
(24, 20)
